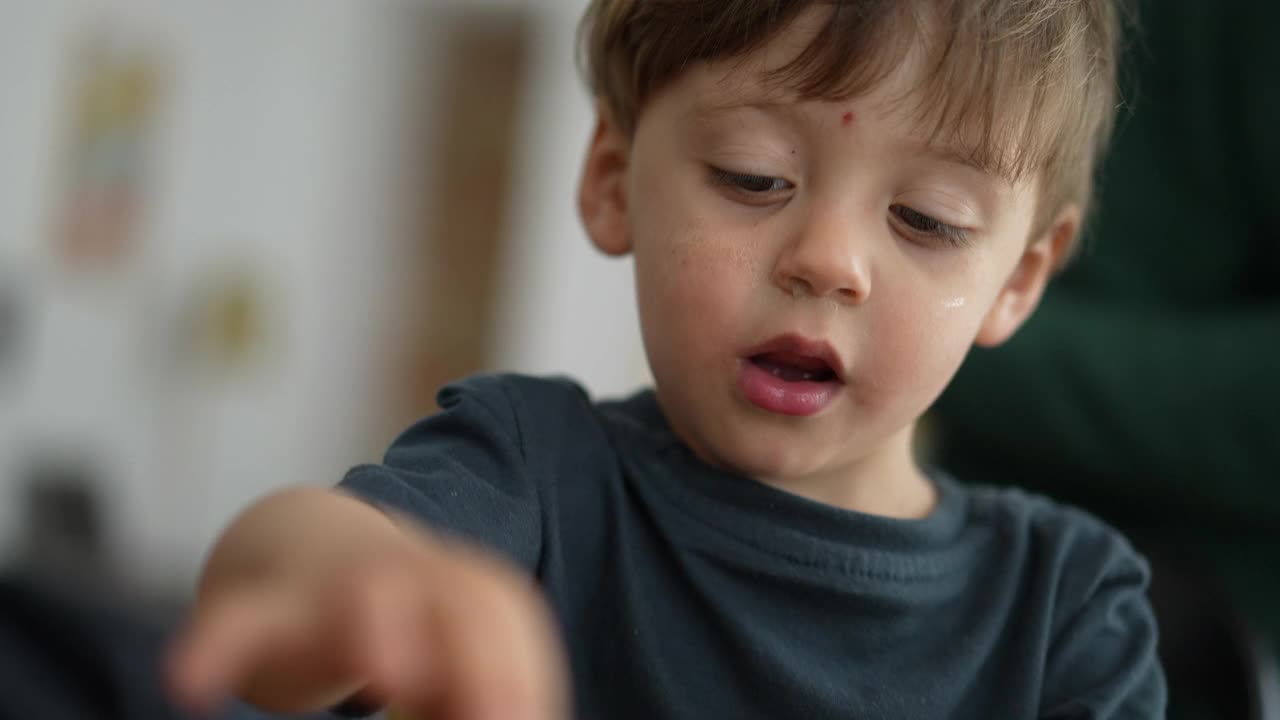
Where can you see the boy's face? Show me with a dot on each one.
(810, 274)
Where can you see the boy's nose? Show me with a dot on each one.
(823, 263)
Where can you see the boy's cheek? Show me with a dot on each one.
(693, 267)
(913, 354)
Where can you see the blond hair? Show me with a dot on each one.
(1025, 86)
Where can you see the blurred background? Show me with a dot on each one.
(243, 243)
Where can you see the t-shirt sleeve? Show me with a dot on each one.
(1102, 660)
(464, 471)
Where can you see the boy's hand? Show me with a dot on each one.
(440, 631)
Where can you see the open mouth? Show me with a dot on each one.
(791, 375)
(794, 367)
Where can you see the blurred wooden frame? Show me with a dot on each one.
(462, 221)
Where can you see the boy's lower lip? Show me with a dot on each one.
(769, 392)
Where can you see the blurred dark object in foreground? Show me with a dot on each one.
(67, 658)
(63, 536)
(81, 656)
(78, 641)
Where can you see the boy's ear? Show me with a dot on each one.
(1025, 286)
(602, 195)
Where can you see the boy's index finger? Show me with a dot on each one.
(225, 641)
(200, 660)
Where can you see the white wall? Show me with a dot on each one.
(282, 147)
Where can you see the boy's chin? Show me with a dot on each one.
(777, 462)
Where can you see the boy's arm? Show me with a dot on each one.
(1128, 401)
(460, 471)
(296, 538)
(296, 533)
(1102, 662)
(312, 598)
(315, 594)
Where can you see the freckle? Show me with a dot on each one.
(847, 120)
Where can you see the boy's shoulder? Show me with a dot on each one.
(1073, 551)
(1090, 587)
(523, 406)
(548, 417)
(540, 407)
(526, 393)
(1041, 517)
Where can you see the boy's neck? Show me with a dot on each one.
(888, 483)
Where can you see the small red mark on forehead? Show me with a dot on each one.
(847, 119)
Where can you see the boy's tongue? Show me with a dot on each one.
(792, 367)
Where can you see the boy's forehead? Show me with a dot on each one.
(908, 69)
(767, 79)
(721, 92)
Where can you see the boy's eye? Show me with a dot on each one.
(931, 228)
(748, 183)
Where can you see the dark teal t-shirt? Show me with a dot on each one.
(684, 591)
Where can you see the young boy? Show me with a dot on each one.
(828, 203)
